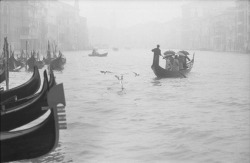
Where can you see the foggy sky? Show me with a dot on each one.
(118, 14)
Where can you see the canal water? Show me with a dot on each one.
(202, 118)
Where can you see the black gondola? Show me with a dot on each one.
(21, 112)
(31, 62)
(58, 63)
(163, 73)
(36, 141)
(24, 90)
(14, 65)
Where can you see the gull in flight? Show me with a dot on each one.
(104, 72)
(120, 78)
(136, 74)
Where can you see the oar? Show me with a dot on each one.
(182, 74)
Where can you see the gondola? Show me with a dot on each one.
(14, 65)
(163, 73)
(24, 90)
(21, 112)
(31, 62)
(98, 55)
(58, 63)
(35, 141)
(15, 102)
(2, 76)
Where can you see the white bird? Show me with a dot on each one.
(120, 78)
(104, 72)
(136, 74)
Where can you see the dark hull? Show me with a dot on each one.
(98, 55)
(17, 114)
(163, 73)
(58, 64)
(2, 76)
(14, 65)
(24, 90)
(31, 62)
(30, 143)
(38, 140)
(15, 102)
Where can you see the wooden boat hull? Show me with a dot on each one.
(21, 112)
(98, 55)
(24, 90)
(16, 102)
(32, 62)
(30, 143)
(14, 65)
(163, 73)
(38, 140)
(58, 64)
(2, 76)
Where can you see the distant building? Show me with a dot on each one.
(216, 27)
(36, 22)
(243, 25)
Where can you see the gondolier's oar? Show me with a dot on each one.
(182, 74)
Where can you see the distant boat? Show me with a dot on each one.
(98, 55)
(115, 49)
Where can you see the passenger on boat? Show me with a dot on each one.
(175, 66)
(183, 60)
(168, 63)
(157, 53)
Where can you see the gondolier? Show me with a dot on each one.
(157, 53)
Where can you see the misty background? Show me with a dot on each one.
(84, 24)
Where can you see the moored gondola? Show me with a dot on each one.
(35, 141)
(14, 65)
(32, 61)
(23, 111)
(28, 88)
(58, 63)
(163, 73)
(15, 102)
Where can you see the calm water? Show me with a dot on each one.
(202, 118)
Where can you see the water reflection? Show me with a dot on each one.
(156, 82)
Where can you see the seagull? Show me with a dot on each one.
(104, 72)
(136, 74)
(120, 79)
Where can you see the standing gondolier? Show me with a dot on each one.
(157, 53)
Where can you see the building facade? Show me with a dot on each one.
(207, 26)
(36, 22)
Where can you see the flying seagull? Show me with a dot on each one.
(136, 74)
(104, 72)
